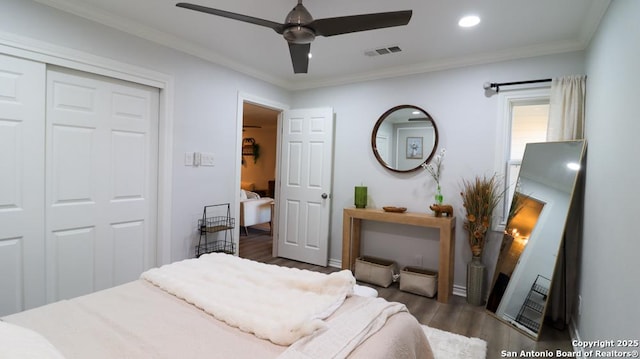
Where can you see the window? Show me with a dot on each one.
(523, 119)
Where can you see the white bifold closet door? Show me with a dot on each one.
(101, 182)
(22, 128)
(78, 182)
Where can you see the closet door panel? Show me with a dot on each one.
(102, 175)
(21, 184)
(73, 265)
(133, 173)
(73, 174)
(11, 279)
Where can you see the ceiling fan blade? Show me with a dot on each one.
(277, 27)
(300, 57)
(347, 24)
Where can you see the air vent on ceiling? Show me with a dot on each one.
(383, 51)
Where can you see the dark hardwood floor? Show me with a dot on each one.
(457, 316)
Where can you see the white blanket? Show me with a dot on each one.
(275, 303)
(346, 332)
(21, 343)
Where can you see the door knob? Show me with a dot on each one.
(324, 196)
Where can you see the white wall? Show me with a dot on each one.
(610, 267)
(466, 121)
(205, 104)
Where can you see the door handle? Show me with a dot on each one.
(324, 196)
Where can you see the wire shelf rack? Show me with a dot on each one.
(216, 230)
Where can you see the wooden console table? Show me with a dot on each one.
(351, 223)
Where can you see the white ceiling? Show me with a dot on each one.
(432, 40)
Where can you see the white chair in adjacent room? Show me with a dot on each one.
(254, 209)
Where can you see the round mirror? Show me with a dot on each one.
(404, 138)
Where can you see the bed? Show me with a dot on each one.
(221, 306)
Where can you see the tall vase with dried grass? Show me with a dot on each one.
(480, 197)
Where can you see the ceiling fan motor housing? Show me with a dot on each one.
(296, 30)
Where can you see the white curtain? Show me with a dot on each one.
(566, 122)
(566, 108)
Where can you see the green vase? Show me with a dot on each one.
(439, 198)
(360, 200)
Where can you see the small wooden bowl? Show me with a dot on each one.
(394, 209)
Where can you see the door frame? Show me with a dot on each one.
(273, 105)
(48, 53)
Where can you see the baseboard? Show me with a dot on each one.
(335, 263)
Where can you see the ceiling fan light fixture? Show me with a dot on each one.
(299, 34)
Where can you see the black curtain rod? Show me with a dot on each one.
(496, 85)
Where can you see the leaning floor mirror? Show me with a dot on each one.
(533, 234)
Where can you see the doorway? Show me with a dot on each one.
(302, 179)
(258, 177)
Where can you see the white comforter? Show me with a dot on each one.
(276, 303)
(21, 343)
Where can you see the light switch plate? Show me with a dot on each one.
(207, 159)
(188, 158)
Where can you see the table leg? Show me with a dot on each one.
(446, 263)
(355, 242)
(346, 241)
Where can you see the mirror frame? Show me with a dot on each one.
(379, 123)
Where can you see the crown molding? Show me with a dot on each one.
(592, 20)
(448, 63)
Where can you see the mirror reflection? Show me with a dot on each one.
(533, 234)
(404, 138)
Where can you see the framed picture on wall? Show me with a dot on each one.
(414, 148)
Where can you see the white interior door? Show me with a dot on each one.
(101, 181)
(304, 200)
(22, 269)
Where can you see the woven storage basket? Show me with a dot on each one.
(419, 281)
(374, 270)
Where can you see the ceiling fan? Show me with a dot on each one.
(299, 28)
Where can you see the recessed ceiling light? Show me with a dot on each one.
(469, 21)
(309, 55)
